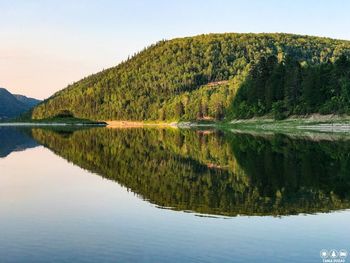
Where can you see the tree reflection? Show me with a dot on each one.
(213, 172)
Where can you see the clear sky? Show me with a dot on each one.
(47, 44)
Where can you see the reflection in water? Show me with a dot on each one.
(214, 172)
(15, 139)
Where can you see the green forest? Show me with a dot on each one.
(294, 88)
(213, 172)
(214, 76)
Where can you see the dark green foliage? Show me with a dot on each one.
(202, 74)
(294, 88)
(179, 109)
(278, 110)
(65, 114)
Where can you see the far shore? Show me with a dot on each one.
(314, 122)
(327, 123)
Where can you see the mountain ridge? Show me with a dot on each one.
(13, 105)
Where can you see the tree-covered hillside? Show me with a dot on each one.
(291, 87)
(188, 78)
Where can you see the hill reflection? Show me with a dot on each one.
(15, 140)
(212, 172)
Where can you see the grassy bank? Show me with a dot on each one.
(321, 123)
(315, 122)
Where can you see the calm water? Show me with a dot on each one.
(164, 195)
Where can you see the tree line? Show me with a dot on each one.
(290, 87)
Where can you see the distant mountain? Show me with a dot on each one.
(30, 102)
(14, 105)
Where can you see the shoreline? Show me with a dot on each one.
(29, 124)
(139, 124)
(288, 125)
(317, 123)
(174, 124)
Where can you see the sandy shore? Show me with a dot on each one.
(138, 124)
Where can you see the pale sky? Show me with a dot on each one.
(47, 44)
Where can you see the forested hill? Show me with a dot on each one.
(214, 76)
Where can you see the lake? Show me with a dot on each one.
(171, 195)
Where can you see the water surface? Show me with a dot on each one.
(166, 195)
